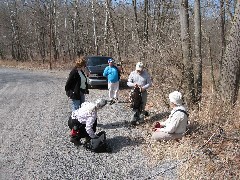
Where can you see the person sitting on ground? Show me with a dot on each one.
(175, 126)
(83, 121)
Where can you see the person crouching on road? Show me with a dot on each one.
(83, 121)
(112, 73)
(175, 126)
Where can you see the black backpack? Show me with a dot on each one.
(98, 145)
(136, 99)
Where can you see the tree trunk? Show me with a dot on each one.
(114, 33)
(94, 28)
(188, 79)
(198, 47)
(230, 72)
(222, 26)
(106, 29)
(145, 29)
(136, 18)
(146, 16)
(212, 68)
(50, 31)
(55, 38)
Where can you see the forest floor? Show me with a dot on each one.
(210, 150)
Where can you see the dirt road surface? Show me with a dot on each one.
(34, 136)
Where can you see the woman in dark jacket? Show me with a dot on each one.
(76, 85)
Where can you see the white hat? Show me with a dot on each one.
(139, 66)
(176, 98)
(100, 103)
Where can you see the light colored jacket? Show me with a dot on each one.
(142, 79)
(86, 117)
(176, 122)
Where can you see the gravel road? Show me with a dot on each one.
(34, 141)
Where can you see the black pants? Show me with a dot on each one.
(81, 127)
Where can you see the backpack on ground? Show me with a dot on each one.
(99, 144)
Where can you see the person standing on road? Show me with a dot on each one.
(76, 86)
(83, 121)
(175, 126)
(140, 78)
(113, 75)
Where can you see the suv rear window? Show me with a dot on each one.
(95, 61)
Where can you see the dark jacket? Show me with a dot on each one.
(72, 86)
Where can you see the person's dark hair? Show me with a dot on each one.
(80, 62)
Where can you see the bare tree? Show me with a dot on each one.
(198, 47)
(146, 17)
(15, 28)
(145, 28)
(55, 30)
(106, 29)
(222, 28)
(230, 72)
(134, 2)
(188, 76)
(94, 27)
(125, 28)
(41, 23)
(113, 28)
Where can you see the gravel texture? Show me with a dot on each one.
(34, 141)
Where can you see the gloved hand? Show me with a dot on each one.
(157, 126)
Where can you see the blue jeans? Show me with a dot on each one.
(76, 104)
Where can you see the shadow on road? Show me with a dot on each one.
(113, 125)
(118, 142)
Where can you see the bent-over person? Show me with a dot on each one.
(83, 121)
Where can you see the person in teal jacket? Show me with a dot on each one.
(112, 74)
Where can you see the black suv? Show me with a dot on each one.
(96, 66)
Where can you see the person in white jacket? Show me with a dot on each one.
(175, 126)
(83, 121)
